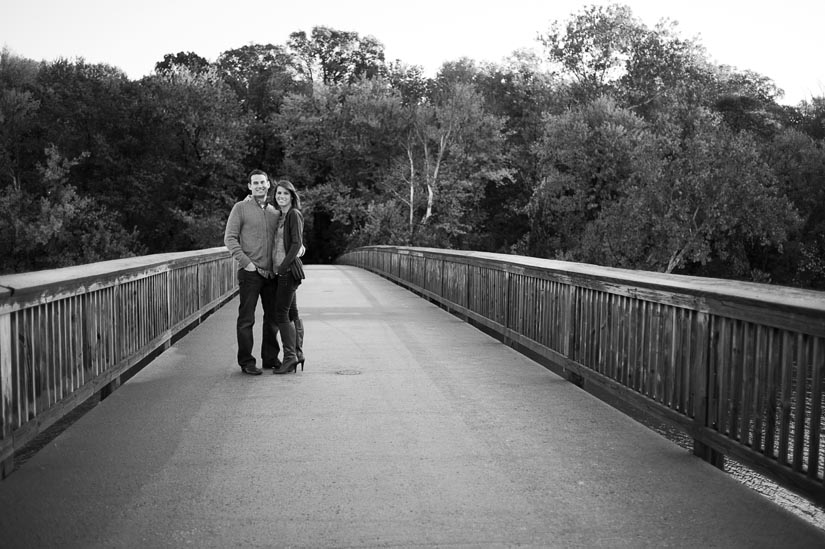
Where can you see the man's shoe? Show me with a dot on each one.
(252, 370)
(274, 366)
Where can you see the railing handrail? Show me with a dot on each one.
(737, 366)
(798, 300)
(18, 288)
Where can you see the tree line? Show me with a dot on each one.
(614, 143)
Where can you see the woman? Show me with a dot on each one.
(289, 270)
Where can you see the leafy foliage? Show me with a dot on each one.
(59, 228)
(620, 145)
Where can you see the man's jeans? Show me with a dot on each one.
(252, 286)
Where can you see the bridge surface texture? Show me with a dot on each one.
(408, 428)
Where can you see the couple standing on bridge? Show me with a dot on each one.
(266, 240)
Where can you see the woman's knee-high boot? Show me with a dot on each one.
(299, 341)
(290, 361)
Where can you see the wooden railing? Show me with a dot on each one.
(69, 334)
(739, 367)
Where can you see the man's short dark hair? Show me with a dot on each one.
(257, 172)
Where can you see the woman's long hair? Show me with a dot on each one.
(286, 184)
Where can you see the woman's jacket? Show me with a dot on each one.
(293, 240)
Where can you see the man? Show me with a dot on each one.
(249, 235)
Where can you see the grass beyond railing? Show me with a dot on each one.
(739, 367)
(68, 334)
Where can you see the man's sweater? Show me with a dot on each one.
(250, 230)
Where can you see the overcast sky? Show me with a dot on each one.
(781, 40)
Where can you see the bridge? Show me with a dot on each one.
(449, 399)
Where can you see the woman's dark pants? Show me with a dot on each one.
(251, 287)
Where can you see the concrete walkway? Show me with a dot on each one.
(408, 428)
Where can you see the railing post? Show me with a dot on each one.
(7, 464)
(441, 262)
(507, 304)
(704, 378)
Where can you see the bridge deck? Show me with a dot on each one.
(408, 428)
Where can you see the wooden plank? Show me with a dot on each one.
(645, 348)
(773, 380)
(659, 359)
(6, 378)
(686, 345)
(799, 401)
(604, 351)
(724, 375)
(628, 354)
(586, 328)
(113, 352)
(760, 359)
(40, 379)
(748, 382)
(18, 371)
(73, 347)
(558, 316)
(598, 332)
(66, 337)
(581, 326)
(543, 305)
(670, 344)
(59, 354)
(817, 376)
(785, 397)
(616, 330)
(567, 318)
(715, 381)
(89, 328)
(735, 379)
(533, 305)
(46, 348)
(634, 360)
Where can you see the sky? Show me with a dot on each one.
(780, 40)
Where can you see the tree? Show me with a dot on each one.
(721, 195)
(593, 47)
(458, 150)
(261, 76)
(59, 227)
(335, 56)
(339, 144)
(747, 102)
(589, 158)
(615, 193)
(18, 110)
(798, 162)
(192, 160)
(409, 81)
(86, 108)
(664, 73)
(812, 117)
(520, 92)
(188, 60)
(714, 204)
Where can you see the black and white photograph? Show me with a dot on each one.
(380, 274)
